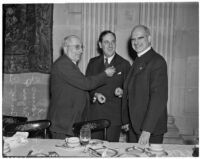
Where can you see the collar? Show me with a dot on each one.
(74, 62)
(109, 58)
(143, 52)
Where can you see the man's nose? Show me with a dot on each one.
(136, 42)
(111, 44)
(80, 51)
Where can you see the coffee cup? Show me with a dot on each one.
(156, 147)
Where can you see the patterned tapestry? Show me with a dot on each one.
(27, 38)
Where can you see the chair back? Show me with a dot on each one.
(33, 127)
(95, 125)
(13, 119)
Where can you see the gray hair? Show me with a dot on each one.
(67, 39)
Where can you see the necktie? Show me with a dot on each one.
(106, 63)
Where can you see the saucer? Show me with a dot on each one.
(109, 152)
(160, 153)
(68, 148)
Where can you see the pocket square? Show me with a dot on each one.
(119, 73)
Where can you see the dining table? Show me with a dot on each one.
(44, 147)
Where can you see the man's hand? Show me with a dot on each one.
(144, 138)
(125, 127)
(119, 92)
(110, 71)
(100, 97)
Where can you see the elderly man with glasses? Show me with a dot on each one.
(69, 89)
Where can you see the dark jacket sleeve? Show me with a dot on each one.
(74, 77)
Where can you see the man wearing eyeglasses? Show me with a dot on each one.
(106, 100)
(69, 89)
(145, 92)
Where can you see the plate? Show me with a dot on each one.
(95, 142)
(154, 150)
(67, 148)
(134, 149)
(109, 153)
(157, 153)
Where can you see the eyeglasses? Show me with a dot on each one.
(77, 47)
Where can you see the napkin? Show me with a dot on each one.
(19, 138)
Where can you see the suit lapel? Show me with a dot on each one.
(71, 63)
(138, 66)
(129, 76)
(99, 64)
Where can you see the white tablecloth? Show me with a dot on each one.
(47, 145)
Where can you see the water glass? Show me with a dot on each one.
(196, 136)
(85, 135)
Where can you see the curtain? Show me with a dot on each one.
(159, 17)
(96, 18)
(27, 38)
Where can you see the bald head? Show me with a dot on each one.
(141, 28)
(140, 38)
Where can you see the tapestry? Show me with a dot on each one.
(27, 38)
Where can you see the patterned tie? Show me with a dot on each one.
(106, 63)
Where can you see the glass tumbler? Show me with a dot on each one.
(85, 135)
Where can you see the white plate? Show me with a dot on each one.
(95, 142)
(67, 148)
(156, 147)
(135, 149)
(154, 151)
(109, 153)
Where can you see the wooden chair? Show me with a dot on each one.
(13, 119)
(95, 125)
(37, 128)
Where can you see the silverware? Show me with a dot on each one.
(59, 146)
(94, 151)
(138, 148)
(29, 153)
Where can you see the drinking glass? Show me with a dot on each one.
(85, 135)
(196, 136)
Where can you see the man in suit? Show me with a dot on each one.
(106, 99)
(69, 89)
(145, 92)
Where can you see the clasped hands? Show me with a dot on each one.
(102, 99)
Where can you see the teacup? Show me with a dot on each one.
(72, 141)
(156, 147)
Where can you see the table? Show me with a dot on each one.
(47, 145)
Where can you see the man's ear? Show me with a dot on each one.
(65, 49)
(149, 39)
(100, 45)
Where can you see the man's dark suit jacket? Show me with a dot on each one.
(69, 94)
(146, 93)
(112, 108)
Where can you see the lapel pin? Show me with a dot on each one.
(119, 73)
